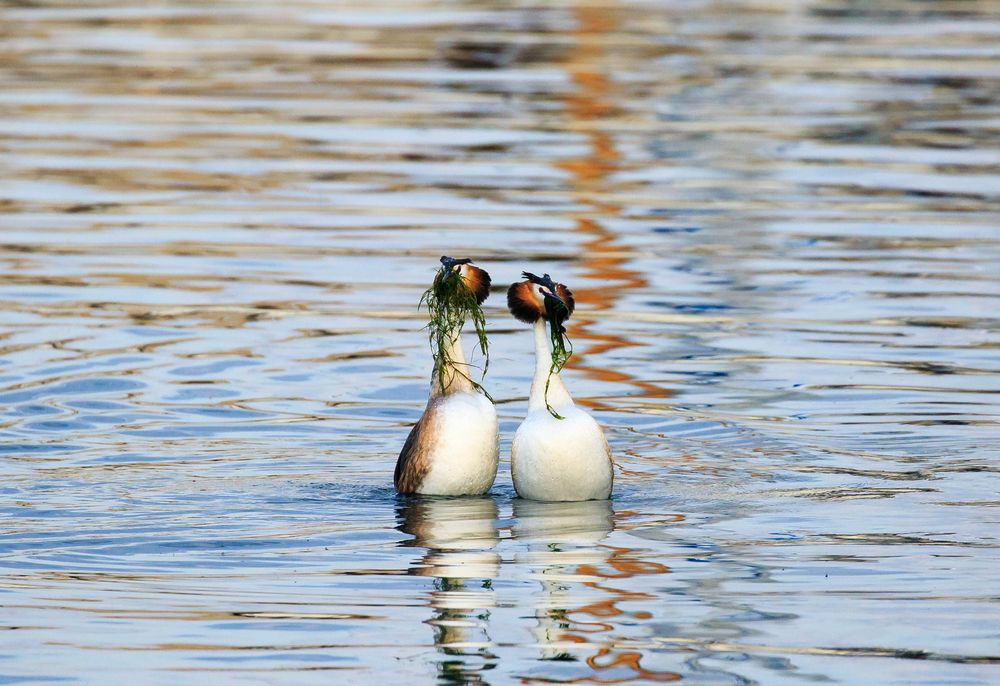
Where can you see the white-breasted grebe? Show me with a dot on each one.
(454, 448)
(559, 451)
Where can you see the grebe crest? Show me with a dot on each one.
(453, 447)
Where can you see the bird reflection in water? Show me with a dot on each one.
(557, 537)
(577, 621)
(562, 544)
(460, 535)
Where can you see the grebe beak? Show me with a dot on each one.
(551, 295)
(452, 266)
(553, 305)
(451, 262)
(547, 287)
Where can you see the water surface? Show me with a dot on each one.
(780, 223)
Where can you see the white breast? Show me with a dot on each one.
(463, 459)
(561, 459)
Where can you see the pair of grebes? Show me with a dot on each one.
(559, 452)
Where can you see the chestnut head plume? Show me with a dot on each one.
(527, 299)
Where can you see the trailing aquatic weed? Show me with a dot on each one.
(562, 347)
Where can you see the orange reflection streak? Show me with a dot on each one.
(622, 518)
(604, 259)
(630, 660)
(625, 565)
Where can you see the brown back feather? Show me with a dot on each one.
(414, 459)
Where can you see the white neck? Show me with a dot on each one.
(558, 396)
(455, 373)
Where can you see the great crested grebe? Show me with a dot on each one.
(454, 448)
(559, 451)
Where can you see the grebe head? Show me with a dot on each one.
(539, 297)
(475, 279)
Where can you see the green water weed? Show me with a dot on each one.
(562, 347)
(450, 302)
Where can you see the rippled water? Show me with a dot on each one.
(780, 221)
